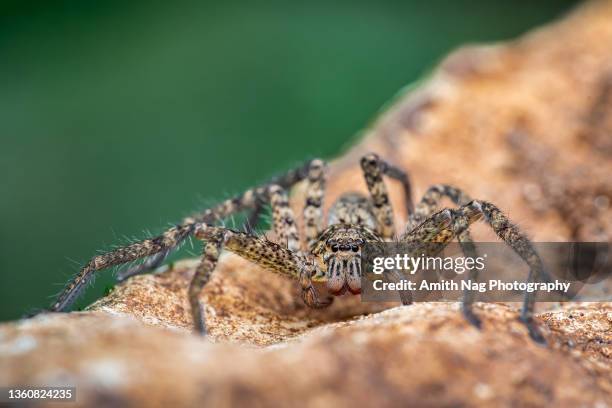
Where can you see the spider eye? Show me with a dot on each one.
(334, 248)
(355, 248)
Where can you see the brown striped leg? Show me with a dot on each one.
(210, 255)
(381, 206)
(284, 221)
(313, 209)
(524, 248)
(405, 295)
(400, 175)
(154, 261)
(460, 226)
(469, 251)
(258, 250)
(430, 203)
(442, 226)
(514, 238)
(252, 199)
(118, 256)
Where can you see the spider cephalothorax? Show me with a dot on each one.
(329, 251)
(339, 254)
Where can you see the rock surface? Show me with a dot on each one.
(525, 125)
(421, 355)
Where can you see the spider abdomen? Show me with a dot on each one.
(352, 208)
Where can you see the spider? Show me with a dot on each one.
(330, 252)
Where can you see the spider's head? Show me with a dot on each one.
(342, 258)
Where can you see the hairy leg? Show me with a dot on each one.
(155, 250)
(313, 208)
(284, 221)
(154, 261)
(514, 238)
(400, 175)
(464, 216)
(150, 263)
(381, 206)
(428, 205)
(258, 250)
(128, 253)
(210, 255)
(285, 229)
(469, 251)
(252, 199)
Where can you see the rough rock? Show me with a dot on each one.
(420, 355)
(525, 125)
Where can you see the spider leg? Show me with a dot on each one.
(400, 175)
(373, 169)
(210, 255)
(154, 261)
(286, 230)
(442, 226)
(428, 205)
(282, 216)
(313, 209)
(157, 249)
(515, 239)
(469, 251)
(258, 250)
(137, 250)
(150, 263)
(252, 199)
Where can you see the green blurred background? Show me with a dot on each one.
(119, 117)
